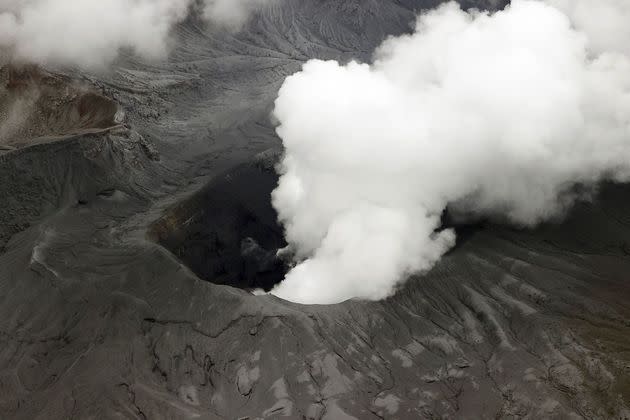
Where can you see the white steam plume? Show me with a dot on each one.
(606, 23)
(87, 32)
(231, 14)
(488, 113)
(90, 33)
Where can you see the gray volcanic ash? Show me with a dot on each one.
(128, 253)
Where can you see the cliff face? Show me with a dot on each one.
(99, 320)
(35, 103)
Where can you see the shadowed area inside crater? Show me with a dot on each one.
(228, 232)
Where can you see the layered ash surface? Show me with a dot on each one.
(36, 104)
(125, 195)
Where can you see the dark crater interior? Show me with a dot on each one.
(228, 232)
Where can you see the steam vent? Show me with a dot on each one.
(314, 209)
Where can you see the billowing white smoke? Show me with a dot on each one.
(607, 22)
(488, 113)
(90, 33)
(231, 13)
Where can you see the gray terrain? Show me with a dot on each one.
(133, 201)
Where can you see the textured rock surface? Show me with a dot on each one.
(99, 321)
(35, 103)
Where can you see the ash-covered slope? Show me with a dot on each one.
(37, 104)
(97, 320)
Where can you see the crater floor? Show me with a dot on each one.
(227, 233)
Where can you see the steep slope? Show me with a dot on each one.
(36, 104)
(98, 320)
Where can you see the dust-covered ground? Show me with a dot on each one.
(121, 190)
